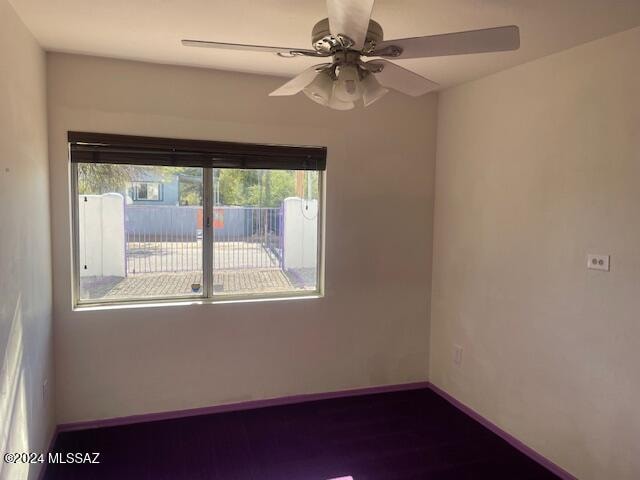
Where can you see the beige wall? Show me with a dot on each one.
(536, 167)
(370, 329)
(26, 415)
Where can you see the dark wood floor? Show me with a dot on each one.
(404, 435)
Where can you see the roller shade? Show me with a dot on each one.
(132, 150)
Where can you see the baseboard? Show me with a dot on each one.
(232, 407)
(510, 439)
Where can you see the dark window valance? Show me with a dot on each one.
(133, 150)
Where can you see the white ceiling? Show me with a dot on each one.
(151, 30)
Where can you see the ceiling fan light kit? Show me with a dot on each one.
(339, 85)
(348, 35)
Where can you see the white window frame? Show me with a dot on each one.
(207, 296)
(137, 184)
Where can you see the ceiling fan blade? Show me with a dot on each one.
(254, 48)
(297, 83)
(350, 18)
(400, 79)
(497, 39)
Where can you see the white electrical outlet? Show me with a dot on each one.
(457, 355)
(598, 262)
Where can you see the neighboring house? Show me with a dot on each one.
(167, 207)
(160, 190)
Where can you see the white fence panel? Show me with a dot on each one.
(300, 233)
(101, 232)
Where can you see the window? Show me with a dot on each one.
(147, 191)
(227, 220)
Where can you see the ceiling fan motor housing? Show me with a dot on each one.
(324, 42)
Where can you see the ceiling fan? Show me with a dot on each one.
(349, 35)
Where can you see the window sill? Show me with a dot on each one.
(156, 303)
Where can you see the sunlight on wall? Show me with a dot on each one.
(14, 421)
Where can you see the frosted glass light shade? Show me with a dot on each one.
(338, 104)
(347, 85)
(371, 90)
(321, 89)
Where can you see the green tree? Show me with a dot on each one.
(99, 178)
(264, 188)
(261, 188)
(189, 183)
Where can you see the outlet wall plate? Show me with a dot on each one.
(457, 355)
(598, 262)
